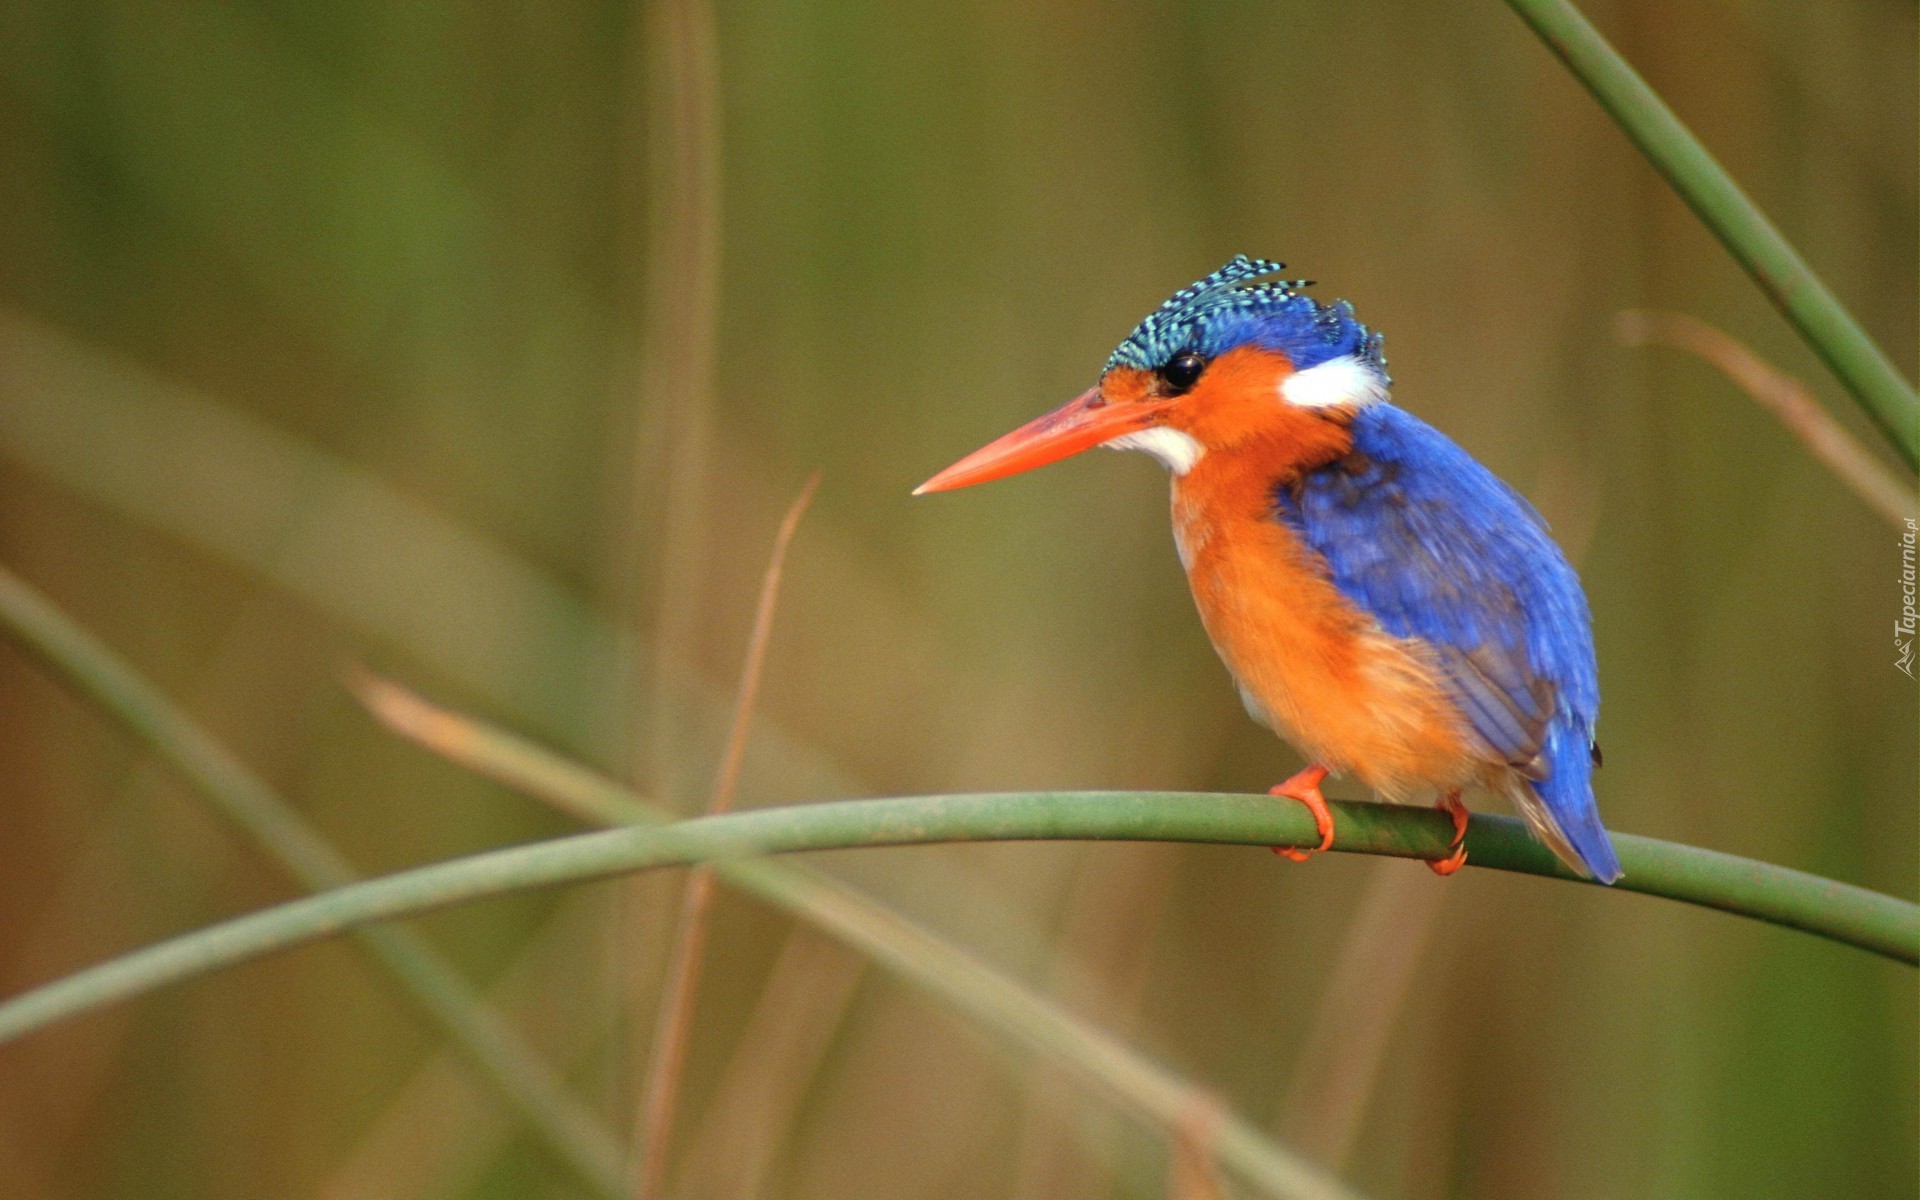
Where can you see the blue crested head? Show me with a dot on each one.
(1228, 309)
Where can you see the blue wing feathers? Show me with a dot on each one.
(1435, 547)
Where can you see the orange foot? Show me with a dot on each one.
(1305, 787)
(1450, 804)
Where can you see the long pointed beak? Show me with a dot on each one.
(1080, 424)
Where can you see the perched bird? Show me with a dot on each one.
(1384, 602)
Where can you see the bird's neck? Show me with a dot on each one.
(1237, 480)
(1225, 503)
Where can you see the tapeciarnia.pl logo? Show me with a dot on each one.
(1904, 627)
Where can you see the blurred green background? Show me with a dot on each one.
(486, 344)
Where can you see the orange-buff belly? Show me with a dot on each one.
(1310, 665)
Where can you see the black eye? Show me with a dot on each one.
(1182, 371)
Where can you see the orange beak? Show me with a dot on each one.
(1080, 424)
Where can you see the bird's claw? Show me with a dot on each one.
(1450, 804)
(1305, 787)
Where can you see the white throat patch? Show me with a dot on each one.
(1338, 381)
(1176, 451)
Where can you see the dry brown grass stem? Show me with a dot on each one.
(680, 316)
(1783, 396)
(669, 258)
(653, 1134)
(1193, 1171)
(1346, 1043)
(1118, 900)
(799, 1014)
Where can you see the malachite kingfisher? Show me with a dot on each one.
(1384, 602)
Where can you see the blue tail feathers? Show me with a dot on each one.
(1567, 793)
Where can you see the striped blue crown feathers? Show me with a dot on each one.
(1226, 310)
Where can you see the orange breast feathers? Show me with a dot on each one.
(1310, 665)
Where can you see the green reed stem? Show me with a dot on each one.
(1733, 217)
(1855, 916)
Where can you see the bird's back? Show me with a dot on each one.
(1432, 546)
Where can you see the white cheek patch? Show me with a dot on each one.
(1338, 381)
(1176, 451)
